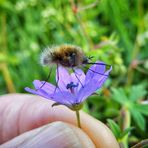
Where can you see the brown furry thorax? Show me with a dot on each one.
(65, 55)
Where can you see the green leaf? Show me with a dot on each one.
(137, 92)
(119, 95)
(114, 127)
(142, 108)
(125, 132)
(138, 118)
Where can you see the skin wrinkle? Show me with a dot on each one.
(5, 115)
(32, 112)
(18, 121)
(36, 111)
(27, 137)
(75, 136)
(21, 113)
(79, 137)
(36, 134)
(2, 115)
(74, 133)
(23, 108)
(68, 130)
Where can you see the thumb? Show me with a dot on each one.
(57, 135)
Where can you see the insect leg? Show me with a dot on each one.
(95, 71)
(46, 79)
(99, 64)
(57, 78)
(77, 76)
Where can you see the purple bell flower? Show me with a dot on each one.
(73, 89)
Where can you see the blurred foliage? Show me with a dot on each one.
(129, 100)
(119, 134)
(114, 31)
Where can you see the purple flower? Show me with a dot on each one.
(72, 88)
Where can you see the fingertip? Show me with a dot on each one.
(85, 141)
(57, 134)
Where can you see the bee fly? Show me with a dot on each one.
(68, 56)
(65, 55)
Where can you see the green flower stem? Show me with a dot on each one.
(78, 118)
(126, 124)
(136, 49)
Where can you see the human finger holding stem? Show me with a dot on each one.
(32, 122)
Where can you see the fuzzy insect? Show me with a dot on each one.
(66, 55)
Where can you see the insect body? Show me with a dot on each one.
(65, 55)
(69, 56)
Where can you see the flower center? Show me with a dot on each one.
(71, 86)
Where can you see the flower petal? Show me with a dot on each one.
(78, 77)
(97, 68)
(99, 77)
(38, 92)
(47, 86)
(92, 86)
(86, 85)
(64, 97)
(62, 78)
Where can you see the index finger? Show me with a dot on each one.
(29, 112)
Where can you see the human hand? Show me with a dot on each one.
(32, 122)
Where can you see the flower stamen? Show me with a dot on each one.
(71, 86)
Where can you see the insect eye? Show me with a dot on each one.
(72, 54)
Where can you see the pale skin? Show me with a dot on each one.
(29, 120)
